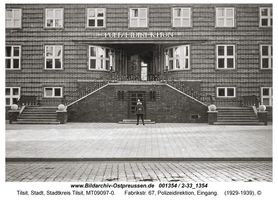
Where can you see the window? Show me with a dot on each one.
(225, 56)
(226, 91)
(265, 17)
(12, 95)
(96, 17)
(138, 17)
(100, 58)
(266, 56)
(225, 17)
(53, 57)
(54, 17)
(53, 92)
(266, 96)
(178, 58)
(13, 54)
(181, 17)
(13, 18)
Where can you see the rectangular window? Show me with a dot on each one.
(53, 57)
(226, 92)
(225, 17)
(54, 17)
(266, 56)
(178, 57)
(225, 56)
(13, 18)
(138, 17)
(100, 58)
(12, 57)
(12, 95)
(96, 17)
(181, 17)
(266, 96)
(265, 17)
(53, 92)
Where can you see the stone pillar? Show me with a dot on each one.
(212, 117)
(13, 115)
(262, 116)
(62, 116)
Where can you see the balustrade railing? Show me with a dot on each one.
(199, 95)
(84, 88)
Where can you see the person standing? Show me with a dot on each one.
(139, 109)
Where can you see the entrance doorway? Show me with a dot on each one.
(132, 102)
(140, 61)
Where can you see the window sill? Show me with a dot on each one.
(177, 70)
(52, 97)
(99, 70)
(13, 69)
(53, 69)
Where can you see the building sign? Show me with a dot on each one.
(137, 34)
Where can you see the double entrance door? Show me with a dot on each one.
(132, 102)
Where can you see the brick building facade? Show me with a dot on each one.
(212, 53)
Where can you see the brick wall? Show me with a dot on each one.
(202, 37)
(170, 106)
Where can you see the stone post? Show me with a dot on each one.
(13, 115)
(262, 116)
(212, 117)
(62, 116)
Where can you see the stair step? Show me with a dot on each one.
(237, 120)
(134, 121)
(37, 117)
(234, 108)
(239, 123)
(38, 120)
(35, 122)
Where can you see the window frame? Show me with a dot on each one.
(53, 92)
(53, 57)
(270, 96)
(13, 27)
(226, 92)
(45, 18)
(224, 17)
(105, 59)
(13, 57)
(138, 18)
(174, 58)
(11, 96)
(268, 17)
(269, 57)
(181, 18)
(95, 18)
(226, 57)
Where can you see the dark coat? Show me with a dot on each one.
(139, 109)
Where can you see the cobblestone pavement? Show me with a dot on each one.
(112, 140)
(86, 171)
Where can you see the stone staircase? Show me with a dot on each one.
(134, 121)
(237, 116)
(38, 115)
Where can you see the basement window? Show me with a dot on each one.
(53, 92)
(12, 95)
(226, 92)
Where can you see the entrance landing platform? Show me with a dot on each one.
(169, 141)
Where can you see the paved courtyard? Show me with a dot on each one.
(85, 171)
(111, 140)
